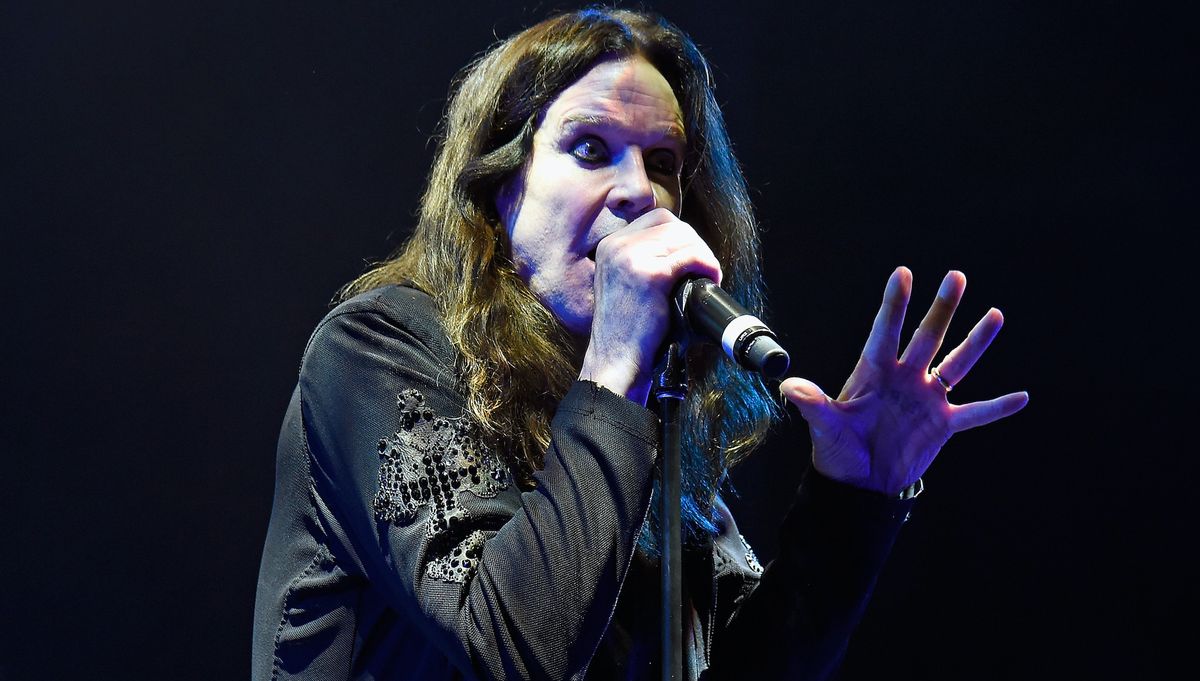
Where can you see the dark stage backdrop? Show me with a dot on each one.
(186, 184)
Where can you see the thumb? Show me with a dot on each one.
(813, 403)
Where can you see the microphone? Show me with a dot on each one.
(711, 313)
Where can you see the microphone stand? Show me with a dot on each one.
(670, 390)
(752, 346)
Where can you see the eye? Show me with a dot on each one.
(663, 161)
(590, 150)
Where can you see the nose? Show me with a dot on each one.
(632, 193)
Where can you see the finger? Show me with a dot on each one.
(928, 337)
(884, 341)
(695, 259)
(653, 218)
(966, 416)
(960, 360)
(667, 249)
(659, 226)
(814, 405)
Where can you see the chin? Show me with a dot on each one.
(573, 309)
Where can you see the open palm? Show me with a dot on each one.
(892, 416)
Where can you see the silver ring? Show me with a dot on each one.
(946, 385)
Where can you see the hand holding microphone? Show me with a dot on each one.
(639, 270)
(636, 269)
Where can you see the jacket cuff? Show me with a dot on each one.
(864, 524)
(824, 492)
(592, 400)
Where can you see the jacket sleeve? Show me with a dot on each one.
(795, 620)
(507, 584)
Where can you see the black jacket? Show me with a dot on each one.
(400, 548)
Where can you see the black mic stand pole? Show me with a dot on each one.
(755, 350)
(670, 390)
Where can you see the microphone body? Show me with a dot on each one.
(711, 313)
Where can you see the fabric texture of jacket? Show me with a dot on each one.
(400, 547)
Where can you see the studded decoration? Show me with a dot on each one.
(431, 461)
(751, 559)
(461, 562)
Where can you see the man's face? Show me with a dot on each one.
(608, 149)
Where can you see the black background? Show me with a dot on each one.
(187, 184)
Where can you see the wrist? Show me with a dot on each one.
(910, 491)
(618, 376)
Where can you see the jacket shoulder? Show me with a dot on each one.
(386, 314)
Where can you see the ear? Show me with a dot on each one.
(509, 196)
(511, 191)
(504, 201)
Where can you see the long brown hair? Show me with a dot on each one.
(516, 361)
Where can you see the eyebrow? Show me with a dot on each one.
(673, 131)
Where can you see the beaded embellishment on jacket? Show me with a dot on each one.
(462, 560)
(751, 559)
(430, 462)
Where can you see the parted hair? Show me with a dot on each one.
(515, 360)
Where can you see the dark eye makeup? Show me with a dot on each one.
(663, 160)
(592, 150)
